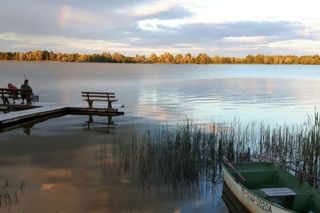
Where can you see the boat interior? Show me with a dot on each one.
(260, 176)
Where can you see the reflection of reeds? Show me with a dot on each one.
(9, 195)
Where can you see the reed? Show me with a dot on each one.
(190, 154)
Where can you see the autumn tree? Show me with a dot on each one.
(107, 56)
(178, 59)
(140, 59)
(153, 58)
(165, 58)
(203, 58)
(215, 60)
(249, 59)
(118, 58)
(188, 59)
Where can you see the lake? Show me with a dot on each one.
(65, 165)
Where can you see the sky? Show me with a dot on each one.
(216, 27)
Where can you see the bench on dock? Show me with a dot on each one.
(90, 97)
(7, 94)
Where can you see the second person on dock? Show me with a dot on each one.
(27, 92)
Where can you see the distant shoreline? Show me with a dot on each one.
(165, 58)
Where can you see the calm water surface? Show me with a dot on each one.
(62, 165)
(273, 93)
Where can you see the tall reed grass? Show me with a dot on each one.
(191, 153)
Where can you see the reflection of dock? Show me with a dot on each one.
(93, 111)
(40, 113)
(103, 127)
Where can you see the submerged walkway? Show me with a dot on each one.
(47, 110)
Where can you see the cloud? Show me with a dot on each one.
(69, 17)
(172, 13)
(246, 39)
(130, 26)
(64, 18)
(59, 43)
(297, 46)
(26, 17)
(96, 5)
(17, 42)
(208, 33)
(155, 7)
(227, 39)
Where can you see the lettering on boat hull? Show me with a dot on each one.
(263, 205)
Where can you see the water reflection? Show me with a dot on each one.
(71, 169)
(27, 127)
(163, 170)
(159, 92)
(98, 126)
(246, 98)
(80, 171)
(10, 194)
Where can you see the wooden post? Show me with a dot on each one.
(90, 103)
(109, 102)
(109, 120)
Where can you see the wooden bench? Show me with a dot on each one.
(90, 97)
(7, 94)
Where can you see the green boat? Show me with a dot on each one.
(264, 187)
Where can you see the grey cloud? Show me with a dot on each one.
(95, 4)
(219, 31)
(27, 17)
(206, 33)
(41, 18)
(208, 37)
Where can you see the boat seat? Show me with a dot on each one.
(279, 192)
(303, 201)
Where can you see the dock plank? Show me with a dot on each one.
(29, 114)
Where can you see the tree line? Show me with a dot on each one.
(165, 58)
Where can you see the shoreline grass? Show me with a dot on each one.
(190, 154)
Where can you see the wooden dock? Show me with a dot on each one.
(15, 107)
(15, 118)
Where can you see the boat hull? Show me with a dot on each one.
(249, 200)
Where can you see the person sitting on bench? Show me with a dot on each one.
(13, 90)
(26, 92)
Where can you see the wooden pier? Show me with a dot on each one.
(35, 113)
(15, 107)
